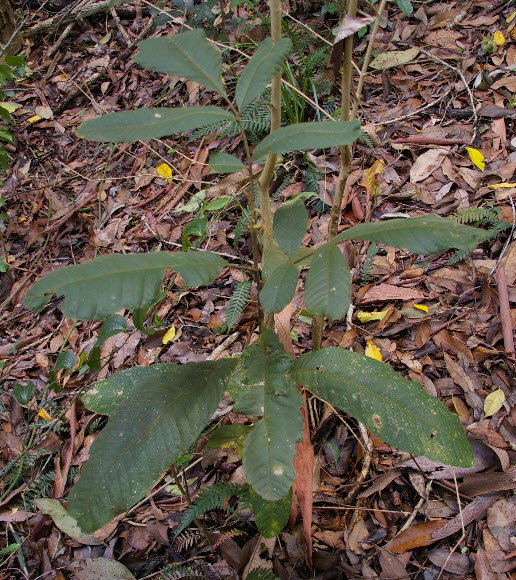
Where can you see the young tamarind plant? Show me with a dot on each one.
(156, 413)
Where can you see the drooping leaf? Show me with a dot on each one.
(225, 163)
(423, 235)
(304, 136)
(270, 447)
(260, 70)
(187, 54)
(270, 516)
(289, 226)
(398, 411)
(146, 433)
(279, 289)
(129, 126)
(328, 283)
(97, 289)
(111, 327)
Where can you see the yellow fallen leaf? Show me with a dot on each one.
(369, 176)
(169, 335)
(493, 402)
(476, 157)
(368, 316)
(499, 38)
(165, 171)
(421, 307)
(372, 351)
(511, 17)
(33, 119)
(500, 185)
(44, 415)
(9, 107)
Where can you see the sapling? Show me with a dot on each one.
(156, 413)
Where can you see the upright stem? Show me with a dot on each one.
(345, 161)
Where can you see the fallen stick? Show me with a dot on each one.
(505, 311)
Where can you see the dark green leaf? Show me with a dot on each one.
(304, 136)
(398, 411)
(269, 448)
(273, 258)
(187, 54)
(279, 289)
(260, 70)
(145, 434)
(405, 6)
(270, 516)
(112, 326)
(129, 126)
(23, 393)
(225, 163)
(423, 235)
(97, 289)
(66, 359)
(228, 434)
(289, 226)
(328, 283)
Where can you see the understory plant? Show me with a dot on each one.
(156, 413)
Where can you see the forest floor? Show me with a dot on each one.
(437, 319)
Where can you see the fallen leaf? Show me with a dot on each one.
(99, 569)
(368, 316)
(394, 58)
(427, 163)
(385, 292)
(476, 157)
(499, 38)
(414, 536)
(169, 335)
(494, 402)
(350, 25)
(372, 351)
(165, 172)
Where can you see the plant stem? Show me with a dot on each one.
(345, 161)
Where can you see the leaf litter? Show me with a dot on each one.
(68, 200)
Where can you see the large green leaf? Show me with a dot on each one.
(304, 136)
(269, 448)
(97, 289)
(423, 235)
(145, 434)
(225, 163)
(266, 62)
(328, 283)
(270, 516)
(400, 412)
(289, 226)
(129, 126)
(187, 54)
(280, 287)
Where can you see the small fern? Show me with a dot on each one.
(186, 540)
(366, 139)
(209, 499)
(226, 536)
(261, 574)
(180, 572)
(236, 304)
(365, 270)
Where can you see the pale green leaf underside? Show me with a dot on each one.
(280, 287)
(187, 54)
(270, 516)
(101, 287)
(269, 448)
(398, 411)
(145, 434)
(129, 126)
(289, 226)
(328, 283)
(260, 70)
(225, 163)
(304, 136)
(423, 235)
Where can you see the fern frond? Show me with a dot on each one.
(209, 499)
(261, 574)
(477, 215)
(226, 536)
(366, 139)
(237, 304)
(186, 540)
(180, 572)
(365, 270)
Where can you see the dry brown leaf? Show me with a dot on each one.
(385, 292)
(414, 536)
(427, 163)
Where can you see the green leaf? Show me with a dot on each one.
(398, 411)
(22, 394)
(273, 258)
(280, 287)
(304, 136)
(129, 126)
(260, 70)
(261, 574)
(270, 516)
(405, 6)
(289, 226)
(423, 235)
(188, 55)
(112, 326)
(145, 434)
(269, 448)
(97, 289)
(328, 283)
(225, 163)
